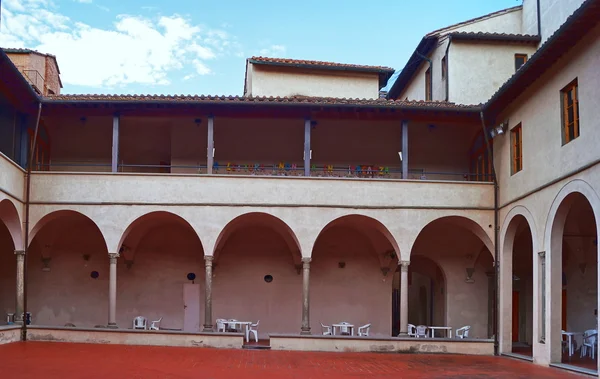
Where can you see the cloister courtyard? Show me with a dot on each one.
(66, 360)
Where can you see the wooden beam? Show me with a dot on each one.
(307, 123)
(115, 144)
(211, 145)
(404, 149)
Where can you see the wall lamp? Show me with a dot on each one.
(499, 129)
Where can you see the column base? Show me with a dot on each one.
(208, 329)
(112, 325)
(403, 334)
(305, 332)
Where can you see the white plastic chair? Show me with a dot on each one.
(221, 325)
(326, 330)
(232, 327)
(590, 338)
(421, 331)
(252, 329)
(463, 332)
(412, 331)
(363, 331)
(140, 323)
(344, 329)
(155, 324)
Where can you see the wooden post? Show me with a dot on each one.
(404, 149)
(211, 145)
(115, 144)
(307, 147)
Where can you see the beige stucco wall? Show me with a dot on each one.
(550, 172)
(553, 14)
(477, 70)
(461, 70)
(12, 181)
(544, 156)
(283, 81)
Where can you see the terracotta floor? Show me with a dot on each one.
(49, 360)
(575, 360)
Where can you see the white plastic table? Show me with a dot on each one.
(570, 336)
(234, 324)
(448, 330)
(340, 326)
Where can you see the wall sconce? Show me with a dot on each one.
(469, 278)
(582, 267)
(128, 263)
(46, 263)
(499, 129)
(341, 264)
(198, 121)
(385, 270)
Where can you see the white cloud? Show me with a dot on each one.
(273, 51)
(135, 50)
(83, 1)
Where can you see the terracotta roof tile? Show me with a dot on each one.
(470, 21)
(508, 37)
(317, 64)
(295, 100)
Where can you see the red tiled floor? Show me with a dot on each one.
(49, 360)
(575, 360)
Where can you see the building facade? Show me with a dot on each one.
(302, 208)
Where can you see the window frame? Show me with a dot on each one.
(520, 55)
(444, 65)
(566, 126)
(516, 149)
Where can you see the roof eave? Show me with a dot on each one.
(423, 48)
(373, 70)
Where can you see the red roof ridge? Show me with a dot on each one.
(306, 62)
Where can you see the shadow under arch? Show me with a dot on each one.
(575, 194)
(260, 219)
(66, 215)
(371, 228)
(142, 225)
(9, 216)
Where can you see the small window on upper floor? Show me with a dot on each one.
(428, 84)
(516, 149)
(570, 112)
(444, 68)
(520, 60)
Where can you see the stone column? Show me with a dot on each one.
(404, 298)
(305, 296)
(208, 264)
(112, 290)
(20, 293)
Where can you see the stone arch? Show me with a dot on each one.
(553, 240)
(136, 230)
(9, 216)
(467, 224)
(56, 215)
(508, 232)
(260, 219)
(370, 227)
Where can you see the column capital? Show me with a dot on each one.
(113, 257)
(19, 252)
(306, 260)
(404, 265)
(208, 259)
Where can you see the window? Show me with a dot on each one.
(481, 165)
(444, 68)
(428, 84)
(570, 112)
(516, 147)
(520, 60)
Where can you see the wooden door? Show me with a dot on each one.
(515, 316)
(191, 307)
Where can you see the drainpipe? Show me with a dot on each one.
(496, 234)
(448, 68)
(27, 195)
(539, 20)
(430, 70)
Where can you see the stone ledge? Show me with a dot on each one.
(134, 337)
(381, 344)
(10, 333)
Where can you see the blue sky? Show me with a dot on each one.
(200, 47)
